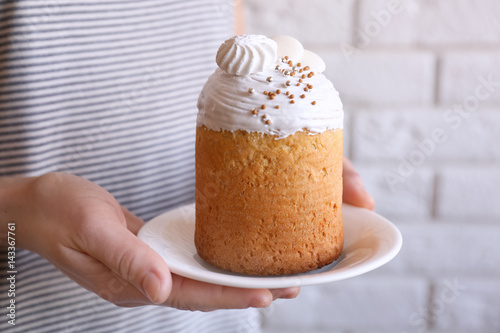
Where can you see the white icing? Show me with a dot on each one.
(227, 99)
(246, 54)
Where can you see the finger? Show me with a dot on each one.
(134, 224)
(131, 259)
(287, 293)
(96, 277)
(193, 295)
(354, 191)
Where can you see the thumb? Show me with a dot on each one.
(134, 261)
(354, 192)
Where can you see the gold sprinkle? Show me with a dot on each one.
(265, 92)
(271, 96)
(302, 96)
(310, 86)
(290, 63)
(298, 84)
(306, 68)
(292, 102)
(286, 57)
(310, 74)
(268, 122)
(277, 106)
(300, 80)
(278, 91)
(255, 112)
(264, 116)
(299, 64)
(292, 96)
(262, 106)
(287, 93)
(306, 89)
(301, 70)
(292, 74)
(303, 76)
(313, 102)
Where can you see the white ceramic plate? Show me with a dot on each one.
(369, 242)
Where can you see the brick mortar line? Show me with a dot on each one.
(430, 290)
(434, 197)
(437, 78)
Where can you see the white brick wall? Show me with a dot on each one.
(479, 189)
(431, 22)
(447, 249)
(382, 77)
(427, 66)
(344, 303)
(476, 297)
(461, 73)
(377, 25)
(413, 193)
(330, 25)
(389, 135)
(457, 21)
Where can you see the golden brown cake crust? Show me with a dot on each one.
(267, 206)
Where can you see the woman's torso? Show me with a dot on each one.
(107, 91)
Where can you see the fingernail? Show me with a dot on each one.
(151, 286)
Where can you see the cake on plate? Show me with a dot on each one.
(268, 160)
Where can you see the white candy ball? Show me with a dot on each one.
(313, 60)
(288, 46)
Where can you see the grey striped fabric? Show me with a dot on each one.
(106, 90)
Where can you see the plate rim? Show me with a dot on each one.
(301, 279)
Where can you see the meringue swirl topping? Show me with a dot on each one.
(254, 90)
(246, 54)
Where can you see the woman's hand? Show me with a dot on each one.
(83, 231)
(354, 190)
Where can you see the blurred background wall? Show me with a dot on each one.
(420, 82)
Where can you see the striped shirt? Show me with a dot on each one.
(106, 90)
